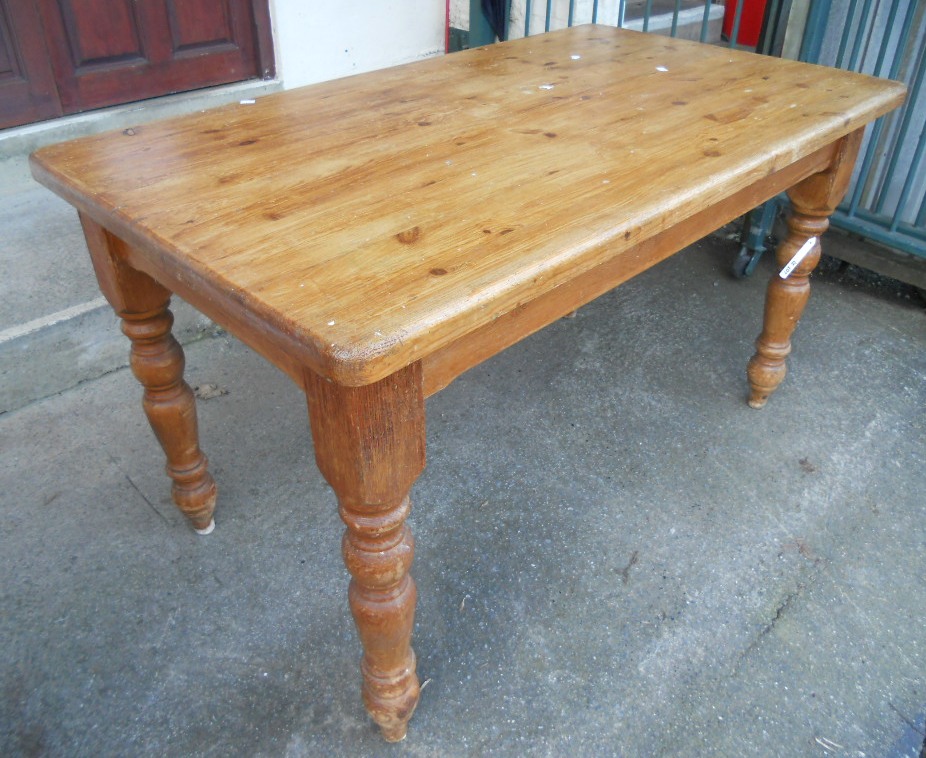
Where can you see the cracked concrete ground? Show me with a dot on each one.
(615, 555)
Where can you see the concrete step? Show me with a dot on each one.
(55, 329)
(59, 351)
(19, 141)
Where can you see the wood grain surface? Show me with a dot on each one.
(364, 224)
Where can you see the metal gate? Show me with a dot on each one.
(510, 19)
(886, 201)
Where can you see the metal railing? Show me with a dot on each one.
(691, 19)
(533, 16)
(886, 201)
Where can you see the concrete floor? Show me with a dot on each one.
(44, 265)
(615, 555)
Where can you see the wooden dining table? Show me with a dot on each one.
(376, 236)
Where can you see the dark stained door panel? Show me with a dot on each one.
(27, 85)
(106, 52)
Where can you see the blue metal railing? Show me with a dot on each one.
(693, 19)
(886, 201)
(530, 17)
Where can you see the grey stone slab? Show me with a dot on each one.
(615, 555)
(83, 344)
(44, 264)
(22, 140)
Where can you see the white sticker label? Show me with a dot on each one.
(798, 257)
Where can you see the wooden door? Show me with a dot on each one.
(27, 86)
(104, 52)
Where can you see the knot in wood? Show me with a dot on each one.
(409, 235)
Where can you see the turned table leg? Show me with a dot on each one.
(784, 304)
(157, 361)
(369, 445)
(813, 200)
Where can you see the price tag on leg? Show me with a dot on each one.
(798, 257)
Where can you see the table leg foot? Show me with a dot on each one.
(756, 401)
(369, 445)
(208, 530)
(390, 683)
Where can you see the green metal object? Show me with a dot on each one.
(756, 228)
(480, 31)
(774, 27)
(812, 43)
(459, 40)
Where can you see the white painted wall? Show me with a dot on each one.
(459, 14)
(315, 40)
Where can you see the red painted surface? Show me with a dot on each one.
(750, 20)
